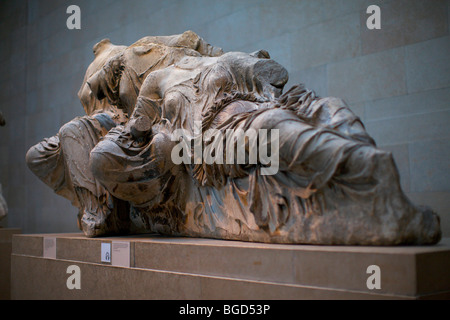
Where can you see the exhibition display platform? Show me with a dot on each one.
(72, 266)
(5, 260)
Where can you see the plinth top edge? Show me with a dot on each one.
(443, 245)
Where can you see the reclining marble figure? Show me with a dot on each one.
(326, 181)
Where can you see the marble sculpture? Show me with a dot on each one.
(3, 206)
(172, 143)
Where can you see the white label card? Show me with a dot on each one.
(49, 246)
(121, 253)
(106, 252)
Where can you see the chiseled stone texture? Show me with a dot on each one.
(396, 79)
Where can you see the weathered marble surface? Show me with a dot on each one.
(3, 206)
(332, 186)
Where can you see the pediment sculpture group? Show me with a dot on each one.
(320, 180)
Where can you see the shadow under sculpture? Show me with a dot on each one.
(326, 183)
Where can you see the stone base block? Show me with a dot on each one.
(156, 267)
(5, 261)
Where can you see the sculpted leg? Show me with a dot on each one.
(62, 162)
(357, 180)
(46, 161)
(140, 175)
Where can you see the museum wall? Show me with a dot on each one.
(396, 79)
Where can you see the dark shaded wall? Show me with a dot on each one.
(396, 79)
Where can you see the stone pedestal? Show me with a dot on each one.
(155, 267)
(5, 261)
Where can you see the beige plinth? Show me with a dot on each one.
(185, 268)
(5, 261)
